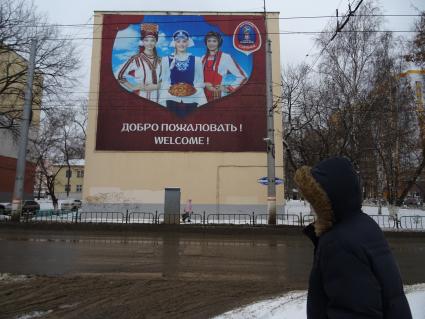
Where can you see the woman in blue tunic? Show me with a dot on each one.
(183, 85)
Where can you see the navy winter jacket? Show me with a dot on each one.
(354, 273)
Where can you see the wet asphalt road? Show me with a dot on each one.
(159, 272)
(220, 256)
(153, 255)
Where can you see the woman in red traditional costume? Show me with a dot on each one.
(141, 74)
(217, 65)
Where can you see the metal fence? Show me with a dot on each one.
(412, 222)
(141, 218)
(101, 217)
(385, 221)
(205, 218)
(232, 219)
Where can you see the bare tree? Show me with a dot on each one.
(45, 154)
(417, 49)
(345, 69)
(60, 140)
(395, 130)
(72, 139)
(56, 61)
(295, 89)
(356, 105)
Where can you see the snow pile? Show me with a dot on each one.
(293, 306)
(5, 277)
(288, 306)
(416, 297)
(4, 217)
(408, 218)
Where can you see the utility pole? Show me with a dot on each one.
(18, 192)
(271, 177)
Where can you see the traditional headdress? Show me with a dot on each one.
(181, 34)
(148, 30)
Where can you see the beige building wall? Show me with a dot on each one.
(13, 79)
(76, 181)
(215, 179)
(12, 100)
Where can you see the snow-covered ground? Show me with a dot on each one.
(409, 218)
(303, 207)
(6, 277)
(47, 204)
(293, 306)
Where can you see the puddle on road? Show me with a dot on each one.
(152, 242)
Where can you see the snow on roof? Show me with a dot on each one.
(77, 162)
(73, 162)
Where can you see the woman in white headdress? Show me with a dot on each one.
(182, 89)
(141, 74)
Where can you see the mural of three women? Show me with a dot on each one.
(180, 81)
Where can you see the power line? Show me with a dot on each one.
(260, 18)
(234, 109)
(262, 33)
(338, 30)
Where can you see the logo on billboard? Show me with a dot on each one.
(247, 38)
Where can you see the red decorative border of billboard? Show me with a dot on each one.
(234, 123)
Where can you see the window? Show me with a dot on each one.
(79, 188)
(68, 173)
(67, 188)
(80, 173)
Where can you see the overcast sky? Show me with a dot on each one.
(293, 47)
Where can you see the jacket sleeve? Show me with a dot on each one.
(351, 288)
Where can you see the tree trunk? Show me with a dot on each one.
(409, 185)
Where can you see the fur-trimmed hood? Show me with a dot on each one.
(333, 189)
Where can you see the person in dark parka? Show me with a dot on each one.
(354, 274)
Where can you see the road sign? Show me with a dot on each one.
(265, 181)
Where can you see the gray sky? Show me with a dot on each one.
(293, 47)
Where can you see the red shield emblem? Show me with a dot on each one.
(247, 38)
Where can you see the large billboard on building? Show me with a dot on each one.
(182, 83)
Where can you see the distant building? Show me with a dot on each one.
(417, 82)
(12, 84)
(69, 181)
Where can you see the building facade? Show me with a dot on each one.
(190, 116)
(416, 78)
(69, 180)
(12, 84)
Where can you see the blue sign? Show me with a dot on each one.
(265, 181)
